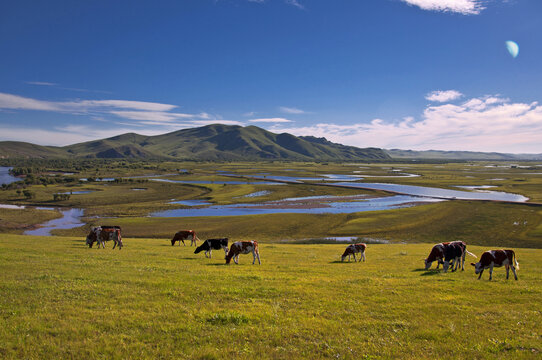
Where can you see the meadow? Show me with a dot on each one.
(151, 300)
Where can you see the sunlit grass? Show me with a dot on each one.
(151, 300)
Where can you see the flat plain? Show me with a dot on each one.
(151, 300)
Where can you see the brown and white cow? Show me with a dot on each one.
(243, 247)
(182, 235)
(497, 258)
(101, 234)
(455, 252)
(447, 252)
(353, 249)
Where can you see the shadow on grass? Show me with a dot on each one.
(429, 272)
(188, 258)
(342, 262)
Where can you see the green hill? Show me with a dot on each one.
(211, 142)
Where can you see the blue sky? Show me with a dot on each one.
(410, 74)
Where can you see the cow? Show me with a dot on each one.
(210, 244)
(447, 252)
(455, 253)
(243, 247)
(183, 235)
(101, 234)
(436, 254)
(353, 249)
(497, 258)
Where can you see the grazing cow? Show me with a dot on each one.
(455, 253)
(353, 250)
(101, 234)
(210, 244)
(183, 235)
(497, 258)
(436, 254)
(243, 247)
(447, 252)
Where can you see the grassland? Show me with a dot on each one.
(151, 300)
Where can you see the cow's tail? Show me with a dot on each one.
(516, 261)
(471, 254)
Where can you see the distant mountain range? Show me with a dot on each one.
(211, 142)
(233, 143)
(459, 155)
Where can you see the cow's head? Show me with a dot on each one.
(477, 267)
(91, 238)
(199, 248)
(427, 264)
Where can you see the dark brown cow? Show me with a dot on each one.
(101, 234)
(447, 252)
(182, 235)
(243, 247)
(436, 254)
(353, 249)
(497, 258)
(455, 252)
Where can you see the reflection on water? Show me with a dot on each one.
(331, 206)
(6, 177)
(71, 218)
(438, 193)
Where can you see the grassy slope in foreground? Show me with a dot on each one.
(150, 300)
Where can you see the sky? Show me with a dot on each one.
(393, 74)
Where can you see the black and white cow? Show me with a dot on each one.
(497, 258)
(210, 244)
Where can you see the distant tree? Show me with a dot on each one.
(28, 194)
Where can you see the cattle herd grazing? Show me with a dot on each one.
(446, 253)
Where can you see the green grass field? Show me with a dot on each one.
(60, 299)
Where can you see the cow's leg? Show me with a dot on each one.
(463, 260)
(507, 267)
(258, 255)
(491, 271)
(236, 259)
(354, 257)
(479, 276)
(363, 255)
(225, 248)
(114, 244)
(210, 253)
(182, 241)
(514, 271)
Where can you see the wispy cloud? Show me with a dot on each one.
(443, 96)
(295, 3)
(489, 123)
(465, 7)
(291, 110)
(270, 120)
(127, 109)
(40, 83)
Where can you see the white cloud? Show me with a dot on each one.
(479, 124)
(443, 96)
(10, 101)
(270, 120)
(295, 3)
(290, 110)
(465, 7)
(40, 83)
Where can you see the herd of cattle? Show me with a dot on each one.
(446, 253)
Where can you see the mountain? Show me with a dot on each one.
(459, 155)
(211, 142)
(18, 149)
